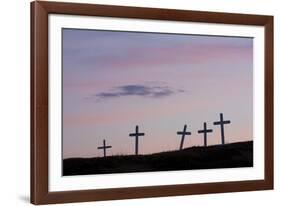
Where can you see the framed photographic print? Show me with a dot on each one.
(131, 102)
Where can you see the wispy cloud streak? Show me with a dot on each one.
(137, 90)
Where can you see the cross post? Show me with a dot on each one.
(183, 133)
(136, 135)
(104, 147)
(222, 123)
(205, 131)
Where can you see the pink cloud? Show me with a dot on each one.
(122, 115)
(144, 58)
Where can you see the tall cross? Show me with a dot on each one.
(136, 135)
(104, 147)
(205, 131)
(183, 133)
(222, 123)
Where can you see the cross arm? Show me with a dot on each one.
(138, 134)
(203, 131)
(186, 133)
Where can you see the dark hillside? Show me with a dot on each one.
(218, 156)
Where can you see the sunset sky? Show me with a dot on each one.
(113, 81)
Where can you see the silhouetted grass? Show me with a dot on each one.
(218, 156)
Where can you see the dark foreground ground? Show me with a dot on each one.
(218, 156)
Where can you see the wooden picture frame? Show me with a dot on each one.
(40, 193)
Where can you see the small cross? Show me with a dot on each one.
(183, 133)
(104, 147)
(205, 131)
(222, 123)
(136, 135)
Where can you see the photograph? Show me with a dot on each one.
(132, 102)
(135, 101)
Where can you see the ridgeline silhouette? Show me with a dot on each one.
(216, 156)
(232, 155)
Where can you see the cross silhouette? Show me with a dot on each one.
(222, 123)
(205, 131)
(136, 135)
(183, 133)
(104, 147)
